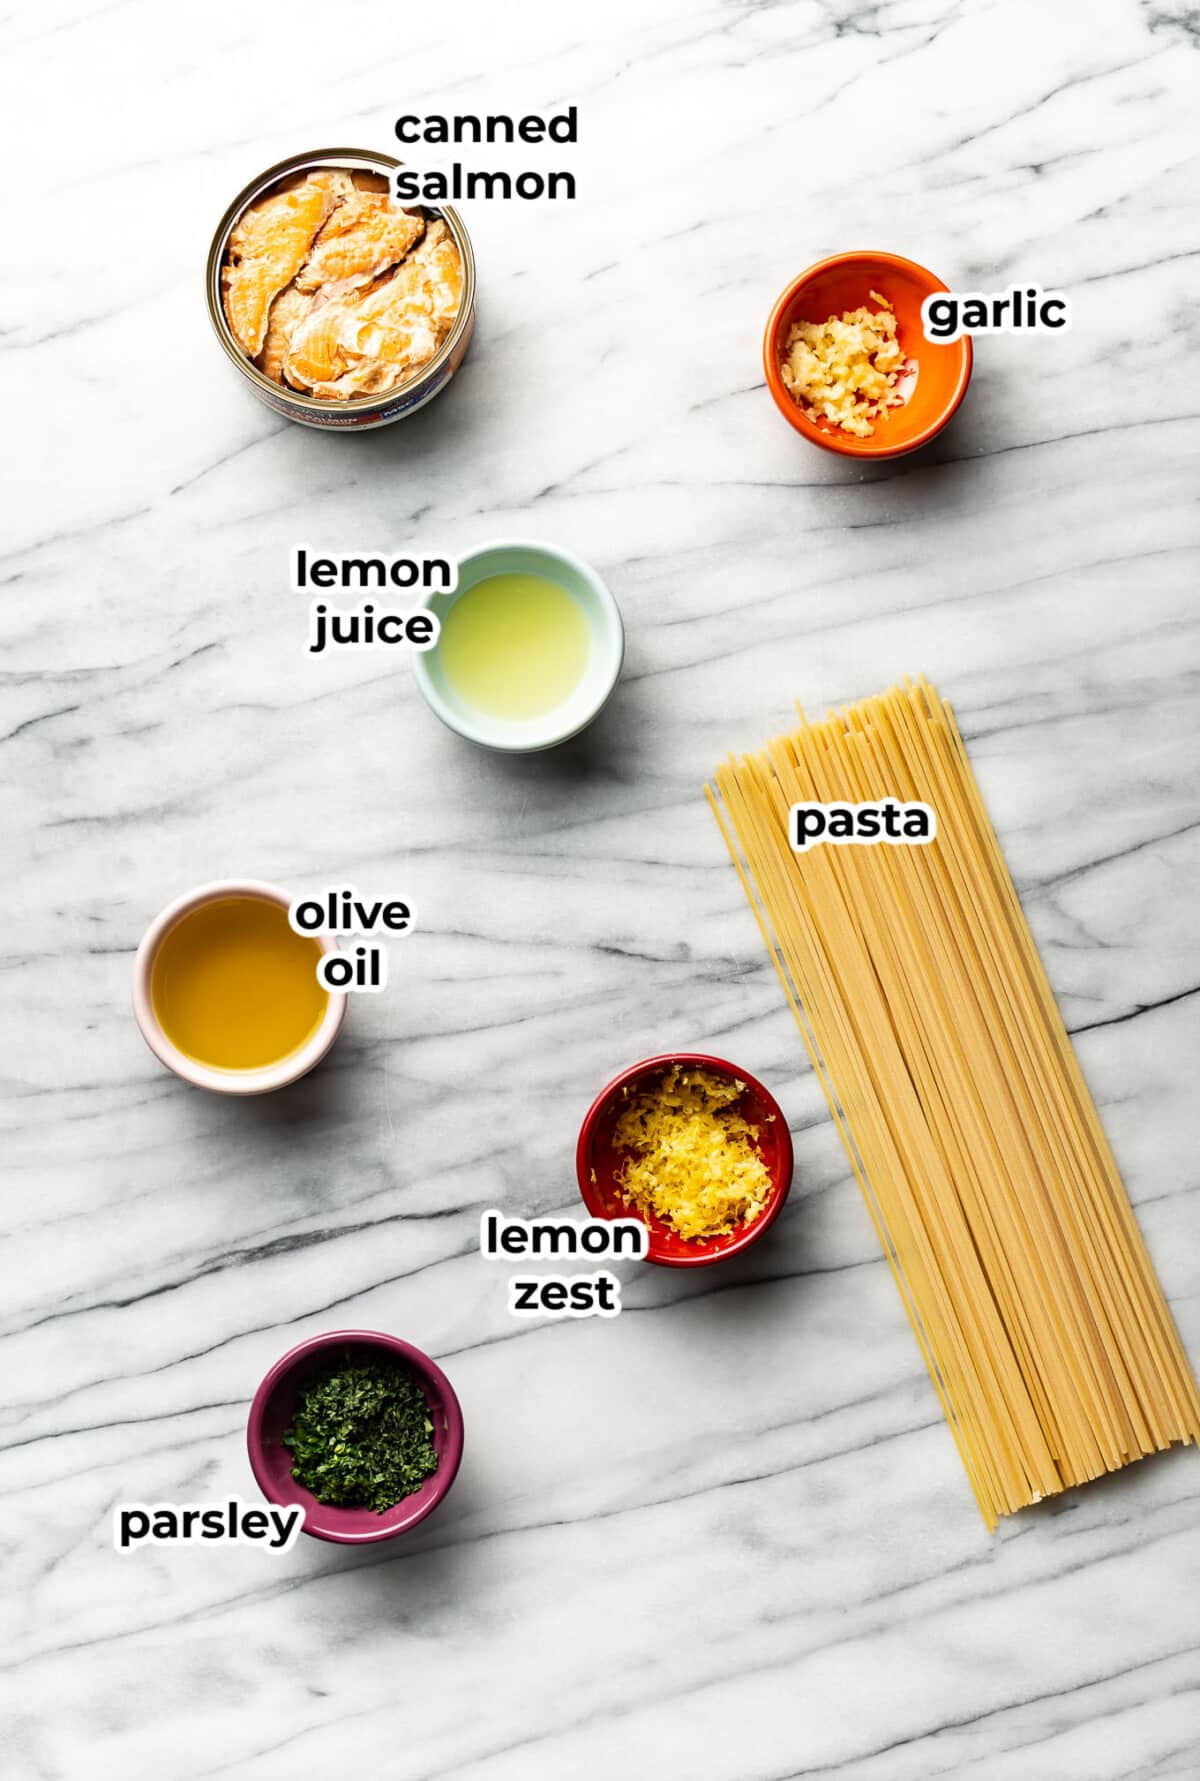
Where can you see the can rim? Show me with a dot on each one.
(368, 160)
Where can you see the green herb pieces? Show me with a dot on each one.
(361, 1435)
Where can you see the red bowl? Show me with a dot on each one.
(275, 1403)
(594, 1155)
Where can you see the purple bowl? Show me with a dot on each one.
(271, 1414)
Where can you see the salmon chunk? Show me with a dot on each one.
(267, 247)
(363, 237)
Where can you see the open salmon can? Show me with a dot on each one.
(340, 307)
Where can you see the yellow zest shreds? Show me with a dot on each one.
(846, 369)
(690, 1156)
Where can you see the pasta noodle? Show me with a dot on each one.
(931, 1024)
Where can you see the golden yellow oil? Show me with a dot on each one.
(234, 987)
(514, 646)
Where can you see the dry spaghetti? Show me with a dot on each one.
(930, 1021)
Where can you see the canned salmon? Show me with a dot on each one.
(338, 306)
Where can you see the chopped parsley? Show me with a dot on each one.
(361, 1436)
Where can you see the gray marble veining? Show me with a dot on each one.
(724, 1536)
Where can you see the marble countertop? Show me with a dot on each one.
(724, 1537)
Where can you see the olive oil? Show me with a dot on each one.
(514, 646)
(234, 987)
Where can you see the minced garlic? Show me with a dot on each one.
(690, 1157)
(846, 369)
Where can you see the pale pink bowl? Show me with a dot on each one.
(227, 1082)
(271, 1462)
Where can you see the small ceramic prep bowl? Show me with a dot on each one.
(846, 282)
(530, 735)
(595, 1156)
(271, 1414)
(227, 1082)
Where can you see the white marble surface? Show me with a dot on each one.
(725, 1537)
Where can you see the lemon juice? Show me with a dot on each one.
(514, 646)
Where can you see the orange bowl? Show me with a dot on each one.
(846, 282)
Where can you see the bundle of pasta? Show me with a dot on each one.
(930, 1021)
